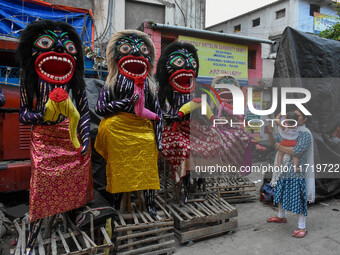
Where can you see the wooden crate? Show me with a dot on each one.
(70, 242)
(138, 233)
(197, 220)
(233, 190)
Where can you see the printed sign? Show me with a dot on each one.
(220, 58)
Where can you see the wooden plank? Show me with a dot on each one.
(148, 248)
(145, 240)
(54, 243)
(207, 219)
(106, 236)
(88, 239)
(123, 202)
(23, 238)
(197, 211)
(203, 208)
(191, 209)
(148, 216)
(92, 226)
(142, 217)
(175, 213)
(129, 207)
(205, 232)
(236, 191)
(67, 249)
(211, 207)
(163, 209)
(150, 232)
(17, 248)
(182, 211)
(122, 221)
(75, 239)
(41, 248)
(135, 219)
(144, 225)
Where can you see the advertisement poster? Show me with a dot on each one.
(323, 21)
(220, 58)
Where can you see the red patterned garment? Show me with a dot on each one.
(60, 182)
(195, 140)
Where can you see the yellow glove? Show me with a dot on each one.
(191, 106)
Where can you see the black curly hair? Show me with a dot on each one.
(162, 76)
(28, 76)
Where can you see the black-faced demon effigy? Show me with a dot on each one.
(130, 132)
(52, 65)
(191, 138)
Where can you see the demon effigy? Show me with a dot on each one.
(130, 132)
(52, 64)
(190, 138)
(226, 107)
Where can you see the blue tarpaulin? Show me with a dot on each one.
(15, 15)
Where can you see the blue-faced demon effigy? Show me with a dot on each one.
(177, 69)
(52, 65)
(130, 132)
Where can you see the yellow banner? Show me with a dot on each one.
(220, 58)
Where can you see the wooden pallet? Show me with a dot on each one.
(197, 220)
(70, 242)
(138, 233)
(233, 190)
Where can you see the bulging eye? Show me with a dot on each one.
(70, 47)
(144, 49)
(178, 62)
(44, 42)
(193, 63)
(124, 48)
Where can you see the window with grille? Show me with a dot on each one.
(280, 13)
(252, 59)
(237, 28)
(165, 43)
(256, 22)
(314, 8)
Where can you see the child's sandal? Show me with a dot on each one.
(275, 219)
(299, 234)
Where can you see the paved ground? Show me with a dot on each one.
(255, 236)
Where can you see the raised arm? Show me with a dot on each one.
(106, 105)
(278, 122)
(158, 124)
(26, 114)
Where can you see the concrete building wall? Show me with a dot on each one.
(306, 22)
(297, 16)
(115, 15)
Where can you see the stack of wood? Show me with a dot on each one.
(197, 220)
(63, 240)
(232, 189)
(137, 232)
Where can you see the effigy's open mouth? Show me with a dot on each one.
(134, 67)
(183, 81)
(225, 95)
(56, 68)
